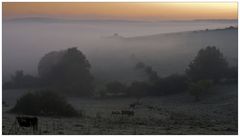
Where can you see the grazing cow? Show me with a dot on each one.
(127, 112)
(28, 122)
(116, 113)
(133, 105)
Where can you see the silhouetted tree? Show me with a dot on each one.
(69, 71)
(208, 64)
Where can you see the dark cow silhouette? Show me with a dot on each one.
(116, 113)
(133, 105)
(127, 112)
(21, 121)
(28, 122)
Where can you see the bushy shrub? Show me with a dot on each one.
(198, 88)
(44, 103)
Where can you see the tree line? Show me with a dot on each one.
(68, 72)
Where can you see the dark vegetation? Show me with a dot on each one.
(170, 85)
(68, 72)
(199, 88)
(152, 75)
(20, 80)
(65, 71)
(209, 64)
(116, 88)
(44, 103)
(207, 69)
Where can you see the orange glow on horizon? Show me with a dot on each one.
(110, 10)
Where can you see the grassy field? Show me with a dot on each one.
(216, 113)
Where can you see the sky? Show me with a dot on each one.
(123, 11)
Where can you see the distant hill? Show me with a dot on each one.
(183, 34)
(166, 53)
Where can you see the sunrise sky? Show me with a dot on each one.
(127, 11)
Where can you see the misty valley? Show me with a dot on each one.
(120, 77)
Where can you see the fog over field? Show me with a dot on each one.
(167, 46)
(120, 68)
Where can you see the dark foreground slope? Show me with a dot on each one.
(216, 113)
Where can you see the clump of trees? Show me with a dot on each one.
(20, 80)
(165, 86)
(44, 103)
(67, 71)
(209, 64)
(208, 67)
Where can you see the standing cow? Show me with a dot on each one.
(28, 122)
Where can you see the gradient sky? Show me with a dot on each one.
(128, 11)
